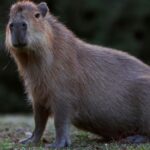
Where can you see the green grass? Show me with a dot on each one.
(14, 128)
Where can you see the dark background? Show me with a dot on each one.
(120, 24)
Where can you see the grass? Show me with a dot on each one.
(14, 128)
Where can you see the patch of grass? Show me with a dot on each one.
(14, 128)
(6, 144)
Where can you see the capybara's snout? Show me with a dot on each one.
(18, 31)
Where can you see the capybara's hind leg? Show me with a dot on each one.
(135, 139)
(143, 96)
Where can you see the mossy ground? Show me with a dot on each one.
(14, 128)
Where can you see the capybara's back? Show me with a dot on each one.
(97, 89)
(113, 98)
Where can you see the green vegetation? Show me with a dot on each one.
(14, 128)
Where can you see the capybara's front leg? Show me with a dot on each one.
(41, 117)
(61, 121)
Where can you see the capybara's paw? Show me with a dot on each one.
(61, 144)
(29, 141)
(135, 139)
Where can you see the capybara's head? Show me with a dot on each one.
(27, 27)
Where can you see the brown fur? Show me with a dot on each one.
(97, 89)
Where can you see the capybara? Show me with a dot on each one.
(97, 89)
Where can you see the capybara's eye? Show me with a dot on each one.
(37, 15)
(11, 25)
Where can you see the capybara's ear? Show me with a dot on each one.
(43, 8)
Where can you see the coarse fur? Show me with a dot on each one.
(98, 89)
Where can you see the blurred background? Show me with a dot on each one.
(120, 24)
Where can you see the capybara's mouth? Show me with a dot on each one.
(18, 40)
(20, 45)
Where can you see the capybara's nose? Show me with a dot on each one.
(18, 25)
(18, 33)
